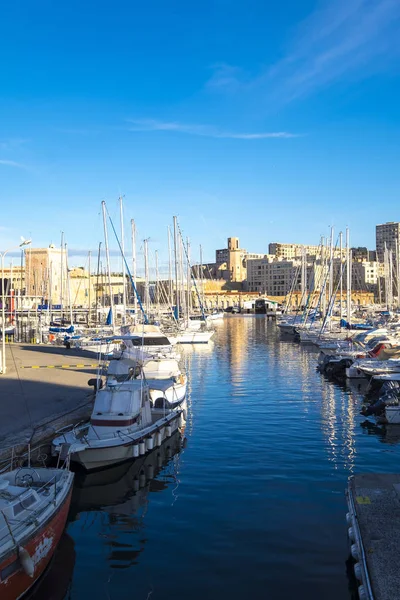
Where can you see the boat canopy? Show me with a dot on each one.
(120, 367)
(160, 368)
(161, 385)
(118, 401)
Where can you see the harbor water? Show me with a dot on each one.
(251, 504)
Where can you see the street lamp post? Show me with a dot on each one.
(3, 311)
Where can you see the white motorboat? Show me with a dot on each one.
(148, 342)
(215, 316)
(153, 371)
(194, 337)
(34, 505)
(123, 424)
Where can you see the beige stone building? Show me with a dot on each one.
(276, 277)
(292, 251)
(231, 261)
(46, 273)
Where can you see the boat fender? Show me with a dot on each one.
(168, 431)
(26, 561)
(181, 379)
(142, 448)
(354, 552)
(362, 593)
(142, 478)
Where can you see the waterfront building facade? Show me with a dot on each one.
(275, 277)
(387, 236)
(46, 273)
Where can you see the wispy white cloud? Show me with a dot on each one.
(13, 163)
(341, 38)
(12, 143)
(201, 130)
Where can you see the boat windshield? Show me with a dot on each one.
(151, 341)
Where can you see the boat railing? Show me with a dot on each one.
(17, 456)
(14, 527)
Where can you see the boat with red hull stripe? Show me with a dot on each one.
(34, 505)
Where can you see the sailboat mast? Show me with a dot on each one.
(133, 236)
(146, 276)
(202, 275)
(68, 286)
(181, 275)
(188, 280)
(171, 299)
(341, 274)
(103, 205)
(121, 217)
(331, 291)
(61, 275)
(348, 276)
(157, 295)
(303, 276)
(176, 270)
(90, 286)
(97, 285)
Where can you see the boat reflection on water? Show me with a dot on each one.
(387, 434)
(123, 489)
(56, 580)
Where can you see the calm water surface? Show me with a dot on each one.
(253, 504)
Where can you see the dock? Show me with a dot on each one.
(44, 388)
(373, 524)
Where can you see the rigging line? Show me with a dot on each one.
(191, 273)
(146, 321)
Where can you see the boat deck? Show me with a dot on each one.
(374, 518)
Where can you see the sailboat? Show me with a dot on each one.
(34, 505)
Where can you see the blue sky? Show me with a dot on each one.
(270, 121)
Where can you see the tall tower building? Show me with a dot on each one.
(46, 273)
(387, 234)
(236, 261)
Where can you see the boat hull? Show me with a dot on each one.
(41, 547)
(195, 337)
(106, 456)
(392, 415)
(175, 395)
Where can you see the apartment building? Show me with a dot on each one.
(387, 235)
(276, 277)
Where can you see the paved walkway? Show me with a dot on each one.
(41, 383)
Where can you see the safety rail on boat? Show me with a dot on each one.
(23, 457)
(13, 526)
(71, 427)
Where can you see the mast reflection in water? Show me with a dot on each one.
(254, 506)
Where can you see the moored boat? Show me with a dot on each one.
(124, 425)
(34, 505)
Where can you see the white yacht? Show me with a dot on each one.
(123, 425)
(153, 371)
(146, 342)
